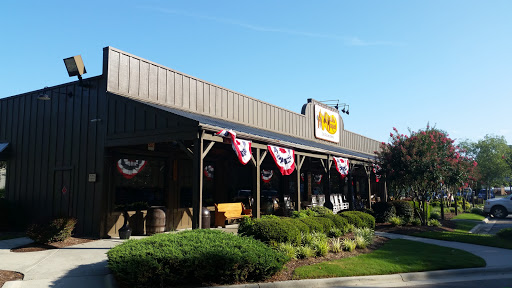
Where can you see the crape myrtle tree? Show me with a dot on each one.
(423, 162)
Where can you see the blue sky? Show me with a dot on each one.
(396, 63)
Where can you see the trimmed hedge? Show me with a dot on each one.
(340, 222)
(326, 223)
(321, 210)
(314, 226)
(403, 209)
(197, 257)
(58, 229)
(273, 231)
(383, 211)
(303, 228)
(505, 234)
(359, 219)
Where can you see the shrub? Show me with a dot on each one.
(435, 215)
(395, 221)
(304, 213)
(303, 228)
(452, 209)
(404, 210)
(321, 210)
(359, 219)
(349, 245)
(312, 224)
(273, 231)
(321, 248)
(58, 229)
(335, 233)
(416, 222)
(326, 223)
(478, 211)
(366, 233)
(245, 226)
(305, 251)
(360, 242)
(383, 211)
(340, 222)
(505, 234)
(193, 257)
(434, 222)
(336, 245)
(287, 249)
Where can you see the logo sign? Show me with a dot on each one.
(327, 124)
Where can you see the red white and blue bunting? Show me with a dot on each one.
(284, 158)
(341, 166)
(130, 168)
(208, 172)
(266, 175)
(241, 147)
(318, 178)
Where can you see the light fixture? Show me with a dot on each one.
(336, 104)
(43, 95)
(75, 67)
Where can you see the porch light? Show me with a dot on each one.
(75, 67)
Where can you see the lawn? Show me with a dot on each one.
(465, 226)
(396, 256)
(459, 236)
(469, 216)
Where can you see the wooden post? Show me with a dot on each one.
(298, 166)
(197, 181)
(368, 170)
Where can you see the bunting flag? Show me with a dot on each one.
(208, 172)
(284, 158)
(341, 166)
(302, 177)
(376, 170)
(130, 168)
(318, 178)
(266, 175)
(241, 147)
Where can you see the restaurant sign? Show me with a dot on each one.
(327, 124)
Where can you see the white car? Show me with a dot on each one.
(499, 207)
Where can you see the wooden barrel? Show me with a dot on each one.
(155, 221)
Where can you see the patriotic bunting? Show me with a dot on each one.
(284, 158)
(241, 147)
(130, 168)
(208, 172)
(266, 175)
(341, 166)
(318, 178)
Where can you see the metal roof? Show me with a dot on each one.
(245, 130)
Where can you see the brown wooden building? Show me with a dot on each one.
(65, 156)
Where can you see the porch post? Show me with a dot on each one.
(258, 184)
(197, 181)
(368, 175)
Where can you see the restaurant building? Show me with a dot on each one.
(143, 135)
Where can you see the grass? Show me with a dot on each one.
(469, 216)
(464, 237)
(396, 256)
(465, 226)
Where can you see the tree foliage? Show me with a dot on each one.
(424, 161)
(494, 159)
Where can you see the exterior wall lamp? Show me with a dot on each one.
(75, 67)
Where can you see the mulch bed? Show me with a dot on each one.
(9, 276)
(33, 247)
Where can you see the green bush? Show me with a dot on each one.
(314, 226)
(321, 210)
(303, 228)
(274, 231)
(434, 222)
(194, 257)
(383, 211)
(435, 215)
(305, 251)
(335, 233)
(340, 222)
(505, 234)
(416, 222)
(58, 229)
(395, 221)
(349, 245)
(404, 210)
(478, 211)
(245, 226)
(359, 219)
(326, 223)
(304, 213)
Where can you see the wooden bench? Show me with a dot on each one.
(230, 211)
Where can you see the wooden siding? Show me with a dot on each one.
(132, 76)
(55, 145)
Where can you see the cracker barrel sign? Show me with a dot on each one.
(327, 124)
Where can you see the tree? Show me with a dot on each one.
(491, 153)
(422, 162)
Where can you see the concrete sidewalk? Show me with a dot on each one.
(85, 265)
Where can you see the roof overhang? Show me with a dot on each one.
(3, 150)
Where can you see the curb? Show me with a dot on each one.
(402, 279)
